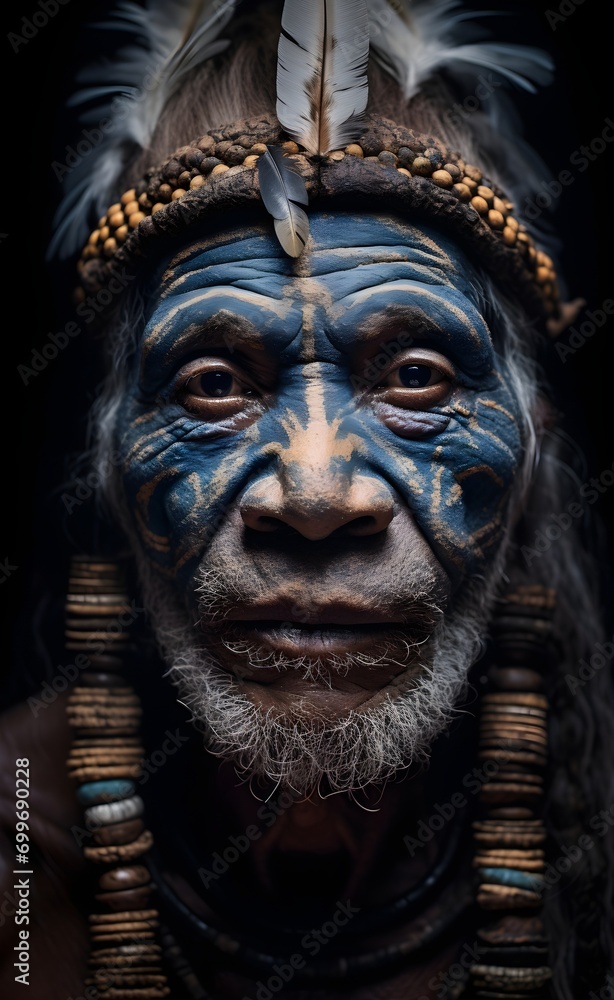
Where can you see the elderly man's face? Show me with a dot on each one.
(318, 455)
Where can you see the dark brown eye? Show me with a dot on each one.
(214, 389)
(215, 385)
(417, 376)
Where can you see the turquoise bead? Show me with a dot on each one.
(105, 791)
(510, 876)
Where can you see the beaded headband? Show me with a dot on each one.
(387, 166)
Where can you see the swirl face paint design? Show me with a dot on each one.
(324, 394)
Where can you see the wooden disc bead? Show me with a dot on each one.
(130, 915)
(514, 930)
(512, 812)
(515, 679)
(500, 861)
(125, 900)
(503, 897)
(517, 698)
(121, 852)
(90, 679)
(119, 833)
(149, 993)
(124, 878)
(137, 950)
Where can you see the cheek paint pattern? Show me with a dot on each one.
(182, 475)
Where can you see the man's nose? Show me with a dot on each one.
(316, 508)
(319, 486)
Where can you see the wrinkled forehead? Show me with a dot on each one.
(346, 254)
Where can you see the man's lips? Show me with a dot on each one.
(320, 640)
(271, 642)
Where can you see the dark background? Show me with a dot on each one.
(43, 422)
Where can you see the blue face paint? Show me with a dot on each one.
(316, 340)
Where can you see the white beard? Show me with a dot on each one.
(366, 746)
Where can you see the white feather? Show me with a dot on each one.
(425, 39)
(322, 71)
(131, 93)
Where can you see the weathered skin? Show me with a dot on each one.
(354, 488)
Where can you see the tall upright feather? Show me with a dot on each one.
(132, 91)
(322, 71)
(427, 37)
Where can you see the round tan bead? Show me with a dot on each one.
(113, 209)
(499, 205)
(144, 200)
(102, 221)
(164, 192)
(184, 178)
(403, 170)
(116, 220)
(354, 150)
(336, 155)
(250, 160)
(442, 178)
(135, 218)
(94, 237)
(121, 233)
(157, 207)
(422, 166)
(462, 191)
(470, 183)
(128, 196)
(105, 232)
(131, 208)
(480, 204)
(290, 146)
(259, 148)
(495, 219)
(197, 182)
(473, 172)
(221, 168)
(512, 223)
(177, 194)
(486, 193)
(110, 246)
